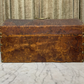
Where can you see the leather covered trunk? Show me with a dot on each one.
(42, 41)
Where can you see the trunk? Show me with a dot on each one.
(42, 41)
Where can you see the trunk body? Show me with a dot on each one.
(42, 41)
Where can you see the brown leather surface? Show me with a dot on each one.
(41, 30)
(42, 49)
(42, 41)
(16, 22)
(20, 46)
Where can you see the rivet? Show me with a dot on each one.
(0, 33)
(0, 36)
(1, 52)
(1, 44)
(82, 52)
(82, 60)
(83, 33)
(82, 43)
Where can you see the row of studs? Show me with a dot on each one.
(83, 45)
(0, 37)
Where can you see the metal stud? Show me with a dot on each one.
(0, 36)
(1, 44)
(83, 33)
(0, 33)
(1, 52)
(82, 52)
(82, 43)
(82, 60)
